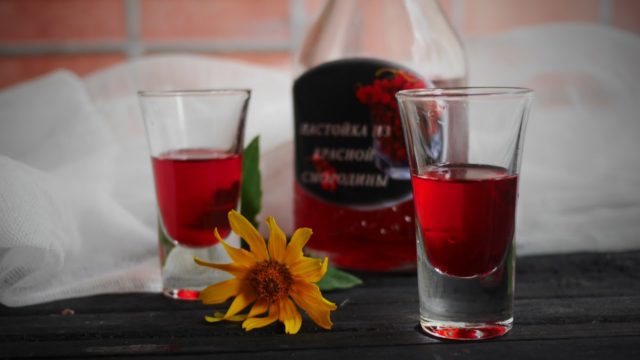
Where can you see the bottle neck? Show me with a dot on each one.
(382, 6)
(414, 33)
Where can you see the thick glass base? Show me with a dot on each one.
(465, 308)
(182, 294)
(465, 331)
(182, 278)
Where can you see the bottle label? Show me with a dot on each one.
(348, 137)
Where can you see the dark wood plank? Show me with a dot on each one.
(358, 326)
(571, 275)
(586, 274)
(350, 317)
(579, 297)
(598, 346)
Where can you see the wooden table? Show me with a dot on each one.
(579, 306)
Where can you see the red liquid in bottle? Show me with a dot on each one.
(381, 239)
(196, 188)
(466, 215)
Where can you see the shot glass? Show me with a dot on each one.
(195, 140)
(465, 147)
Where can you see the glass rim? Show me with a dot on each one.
(193, 92)
(463, 92)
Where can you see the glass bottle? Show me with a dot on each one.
(352, 184)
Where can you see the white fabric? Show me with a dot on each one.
(62, 234)
(77, 214)
(580, 182)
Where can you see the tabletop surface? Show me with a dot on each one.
(577, 306)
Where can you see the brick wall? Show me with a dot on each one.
(37, 36)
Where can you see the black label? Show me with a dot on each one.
(348, 137)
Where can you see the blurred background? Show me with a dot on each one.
(77, 136)
(38, 36)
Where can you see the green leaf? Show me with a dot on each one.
(251, 191)
(164, 240)
(336, 279)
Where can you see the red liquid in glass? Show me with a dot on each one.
(196, 188)
(467, 216)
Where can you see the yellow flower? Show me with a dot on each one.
(271, 276)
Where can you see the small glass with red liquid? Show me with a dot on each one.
(465, 204)
(196, 140)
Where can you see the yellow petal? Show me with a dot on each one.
(308, 297)
(277, 240)
(258, 322)
(239, 317)
(289, 316)
(239, 256)
(245, 230)
(217, 235)
(218, 316)
(245, 297)
(220, 292)
(309, 269)
(214, 318)
(233, 269)
(259, 308)
(294, 249)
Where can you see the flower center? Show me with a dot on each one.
(270, 280)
